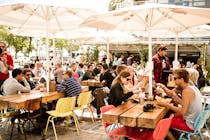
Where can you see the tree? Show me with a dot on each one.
(92, 54)
(114, 4)
(143, 54)
(63, 43)
(18, 42)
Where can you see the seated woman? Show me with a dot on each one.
(118, 92)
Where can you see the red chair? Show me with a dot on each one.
(159, 133)
(119, 131)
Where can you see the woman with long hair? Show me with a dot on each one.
(118, 92)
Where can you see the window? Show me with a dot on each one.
(184, 2)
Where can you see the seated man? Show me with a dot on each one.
(27, 75)
(190, 101)
(69, 85)
(12, 85)
(89, 74)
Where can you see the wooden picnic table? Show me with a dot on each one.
(18, 101)
(131, 114)
(92, 83)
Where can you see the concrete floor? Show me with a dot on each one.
(89, 131)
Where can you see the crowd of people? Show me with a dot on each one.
(123, 79)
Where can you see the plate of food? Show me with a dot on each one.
(148, 107)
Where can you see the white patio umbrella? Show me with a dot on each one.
(150, 17)
(43, 17)
(93, 36)
(193, 32)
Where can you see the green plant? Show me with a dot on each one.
(143, 54)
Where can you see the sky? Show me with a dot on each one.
(96, 5)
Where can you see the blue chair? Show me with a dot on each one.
(198, 125)
(207, 108)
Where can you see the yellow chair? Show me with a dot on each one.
(64, 108)
(83, 102)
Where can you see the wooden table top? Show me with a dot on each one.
(132, 114)
(92, 83)
(18, 101)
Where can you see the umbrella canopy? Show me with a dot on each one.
(93, 36)
(193, 32)
(42, 18)
(150, 17)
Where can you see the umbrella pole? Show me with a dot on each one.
(48, 67)
(150, 63)
(107, 52)
(176, 48)
(48, 57)
(176, 62)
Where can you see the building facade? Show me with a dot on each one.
(192, 3)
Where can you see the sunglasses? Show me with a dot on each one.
(2, 46)
(176, 78)
(28, 74)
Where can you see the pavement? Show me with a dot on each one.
(89, 131)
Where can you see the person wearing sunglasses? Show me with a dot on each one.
(118, 92)
(190, 101)
(27, 75)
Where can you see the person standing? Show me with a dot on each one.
(74, 72)
(80, 70)
(130, 60)
(3, 65)
(58, 71)
(161, 63)
(9, 62)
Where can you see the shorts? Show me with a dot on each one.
(179, 123)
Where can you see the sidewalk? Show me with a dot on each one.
(89, 130)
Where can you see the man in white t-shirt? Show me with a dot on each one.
(13, 85)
